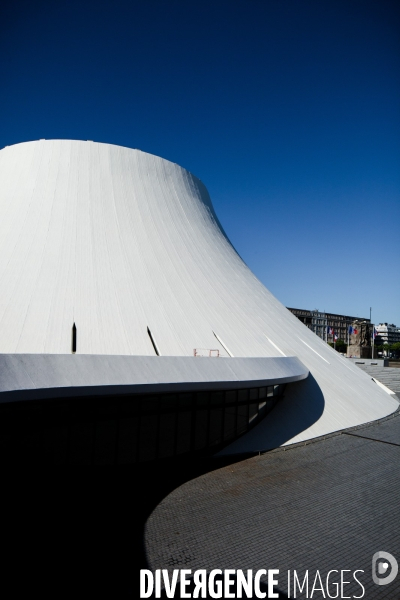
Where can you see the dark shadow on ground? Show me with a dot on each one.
(111, 526)
(157, 481)
(87, 539)
(221, 590)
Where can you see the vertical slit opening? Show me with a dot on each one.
(156, 350)
(223, 345)
(73, 338)
(274, 345)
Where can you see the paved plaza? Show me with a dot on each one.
(330, 504)
(389, 376)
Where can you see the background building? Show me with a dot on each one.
(319, 322)
(387, 334)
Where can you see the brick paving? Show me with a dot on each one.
(327, 505)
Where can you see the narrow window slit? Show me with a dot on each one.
(223, 345)
(73, 338)
(156, 350)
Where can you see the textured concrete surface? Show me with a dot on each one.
(327, 505)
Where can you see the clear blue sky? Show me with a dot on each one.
(287, 110)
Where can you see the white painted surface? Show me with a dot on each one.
(26, 376)
(117, 240)
(381, 385)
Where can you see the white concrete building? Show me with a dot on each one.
(387, 334)
(126, 247)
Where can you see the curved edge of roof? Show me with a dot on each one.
(40, 376)
(28, 376)
(102, 144)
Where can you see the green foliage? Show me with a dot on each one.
(341, 346)
(386, 348)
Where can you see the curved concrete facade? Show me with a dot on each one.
(36, 376)
(123, 243)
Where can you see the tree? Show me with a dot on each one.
(395, 348)
(340, 346)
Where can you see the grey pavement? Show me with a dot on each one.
(330, 504)
(389, 376)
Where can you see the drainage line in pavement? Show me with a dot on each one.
(364, 437)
